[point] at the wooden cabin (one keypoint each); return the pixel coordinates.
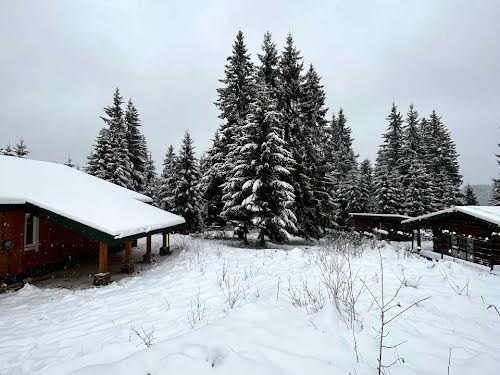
(384, 226)
(52, 214)
(470, 233)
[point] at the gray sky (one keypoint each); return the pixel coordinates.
(61, 60)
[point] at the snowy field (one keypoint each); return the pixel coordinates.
(214, 308)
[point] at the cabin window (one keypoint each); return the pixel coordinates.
(31, 232)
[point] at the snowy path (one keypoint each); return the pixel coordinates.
(88, 331)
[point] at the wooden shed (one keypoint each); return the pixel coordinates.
(51, 214)
(471, 233)
(385, 226)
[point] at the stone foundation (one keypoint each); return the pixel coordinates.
(164, 251)
(127, 268)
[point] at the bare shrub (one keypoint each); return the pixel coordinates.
(146, 336)
(459, 289)
(408, 282)
(311, 298)
(222, 274)
(197, 310)
(385, 305)
(235, 292)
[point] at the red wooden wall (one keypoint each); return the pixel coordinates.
(56, 245)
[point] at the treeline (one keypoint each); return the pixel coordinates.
(277, 163)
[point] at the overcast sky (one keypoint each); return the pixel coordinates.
(61, 60)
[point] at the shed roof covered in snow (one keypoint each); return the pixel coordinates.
(59, 191)
(490, 214)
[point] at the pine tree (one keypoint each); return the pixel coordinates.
(186, 195)
(411, 144)
(122, 168)
(495, 195)
(234, 99)
(151, 181)
(212, 181)
(366, 188)
(342, 162)
(99, 161)
(470, 198)
(312, 146)
(268, 69)
(348, 196)
(419, 190)
(389, 191)
(69, 162)
(20, 149)
(266, 196)
(137, 150)
(442, 158)
(8, 151)
(393, 140)
(168, 181)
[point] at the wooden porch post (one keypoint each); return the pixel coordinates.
(419, 240)
(147, 257)
(168, 242)
(128, 263)
(103, 257)
(103, 277)
(164, 249)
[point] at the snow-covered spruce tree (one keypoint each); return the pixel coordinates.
(495, 194)
(20, 149)
(442, 158)
(296, 134)
(366, 189)
(212, 180)
(393, 140)
(268, 68)
(348, 196)
(419, 190)
(314, 146)
(8, 151)
(389, 191)
(234, 98)
(151, 181)
(186, 195)
(99, 161)
(411, 144)
(168, 181)
(122, 168)
(341, 161)
(137, 149)
(69, 162)
(266, 196)
(470, 198)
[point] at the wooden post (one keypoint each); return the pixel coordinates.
(412, 238)
(168, 242)
(128, 252)
(128, 263)
(163, 248)
(103, 257)
(103, 277)
(147, 257)
(419, 240)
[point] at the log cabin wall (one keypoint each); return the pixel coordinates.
(389, 224)
(467, 238)
(56, 244)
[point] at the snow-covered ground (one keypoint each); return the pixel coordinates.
(186, 305)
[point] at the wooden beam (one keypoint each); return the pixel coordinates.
(148, 245)
(128, 252)
(168, 241)
(103, 257)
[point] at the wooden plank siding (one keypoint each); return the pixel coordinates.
(56, 244)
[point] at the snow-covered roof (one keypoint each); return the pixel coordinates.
(490, 214)
(371, 214)
(78, 196)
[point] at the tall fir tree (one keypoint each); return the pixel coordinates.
(234, 98)
(212, 181)
(151, 186)
(495, 194)
(137, 149)
(266, 196)
(312, 146)
(411, 144)
(470, 198)
(366, 188)
(168, 181)
(389, 191)
(8, 151)
(442, 159)
(187, 198)
(268, 68)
